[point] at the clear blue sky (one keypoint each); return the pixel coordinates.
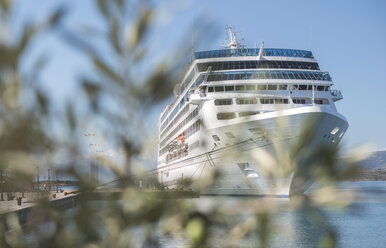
(348, 39)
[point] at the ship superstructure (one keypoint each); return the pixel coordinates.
(231, 102)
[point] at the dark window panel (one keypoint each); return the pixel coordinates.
(219, 88)
(282, 87)
(240, 87)
(226, 116)
(250, 87)
(272, 87)
(223, 102)
(229, 88)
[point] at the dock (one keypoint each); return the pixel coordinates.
(23, 206)
(116, 194)
(68, 199)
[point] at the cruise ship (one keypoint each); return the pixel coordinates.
(236, 110)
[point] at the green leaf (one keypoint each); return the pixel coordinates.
(107, 71)
(5, 5)
(28, 33)
(103, 8)
(140, 28)
(56, 17)
(71, 120)
(114, 35)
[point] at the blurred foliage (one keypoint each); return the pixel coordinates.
(138, 219)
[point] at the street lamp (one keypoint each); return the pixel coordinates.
(99, 167)
(89, 135)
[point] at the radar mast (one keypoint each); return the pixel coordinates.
(231, 39)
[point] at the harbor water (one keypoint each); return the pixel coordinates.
(363, 224)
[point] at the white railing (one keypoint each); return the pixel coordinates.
(205, 81)
(336, 92)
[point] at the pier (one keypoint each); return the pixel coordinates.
(24, 206)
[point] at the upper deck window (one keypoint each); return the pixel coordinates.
(229, 88)
(266, 101)
(299, 101)
(302, 87)
(320, 88)
(272, 74)
(250, 87)
(240, 87)
(282, 87)
(219, 88)
(164, 115)
(253, 52)
(226, 116)
(281, 101)
(272, 87)
(249, 113)
(321, 101)
(246, 101)
(223, 102)
(187, 81)
(274, 100)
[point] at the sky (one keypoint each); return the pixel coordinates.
(346, 37)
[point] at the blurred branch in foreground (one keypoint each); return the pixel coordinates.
(118, 96)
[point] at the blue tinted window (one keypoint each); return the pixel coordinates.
(284, 74)
(252, 52)
(280, 75)
(312, 75)
(297, 76)
(291, 75)
(309, 75)
(275, 74)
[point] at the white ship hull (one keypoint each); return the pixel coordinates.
(239, 112)
(253, 162)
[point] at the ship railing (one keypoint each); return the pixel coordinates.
(336, 92)
(176, 154)
(205, 81)
(336, 95)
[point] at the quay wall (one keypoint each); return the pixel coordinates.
(24, 212)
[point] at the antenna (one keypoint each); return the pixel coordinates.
(192, 35)
(311, 37)
(231, 39)
(261, 51)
